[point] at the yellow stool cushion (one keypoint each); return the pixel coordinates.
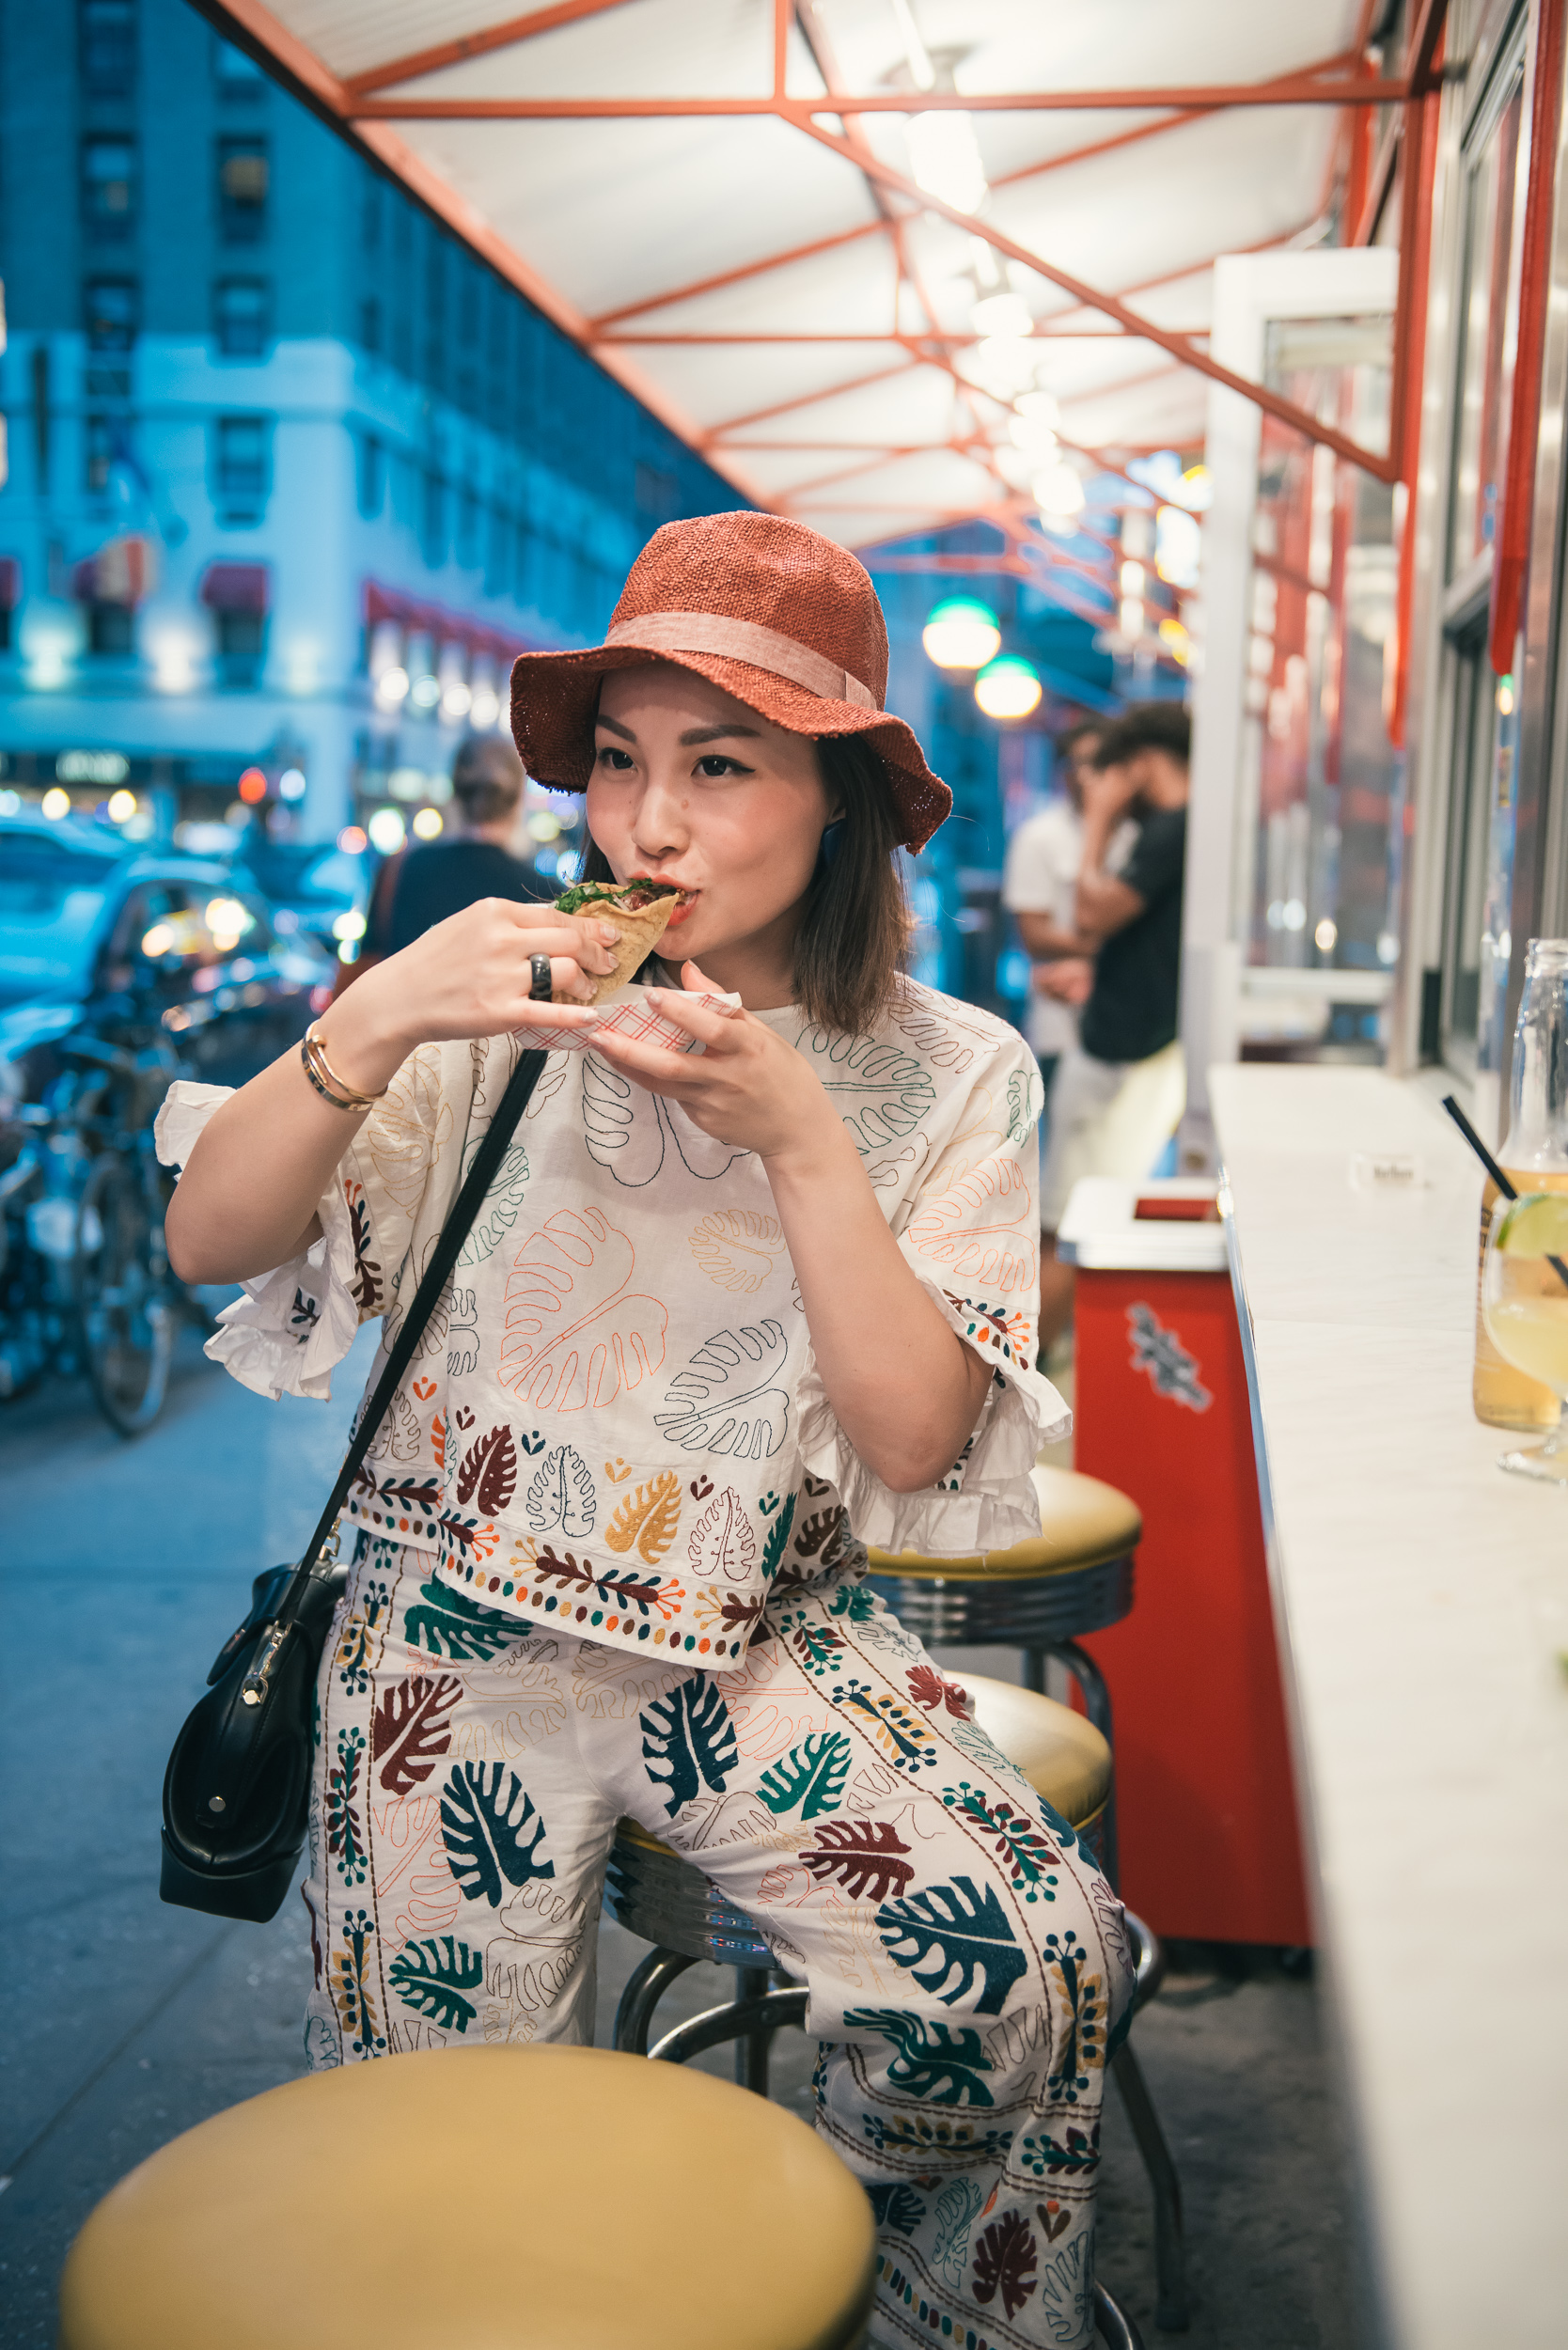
(480, 2199)
(1083, 1523)
(1064, 1757)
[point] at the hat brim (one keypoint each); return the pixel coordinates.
(555, 696)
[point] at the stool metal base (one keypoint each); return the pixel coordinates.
(1172, 2304)
(1112, 2323)
(1014, 1611)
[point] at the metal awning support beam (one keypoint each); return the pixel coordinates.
(1205, 98)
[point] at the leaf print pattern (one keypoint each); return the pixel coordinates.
(1024, 1094)
(736, 1248)
(1046, 2157)
(930, 1689)
(880, 1092)
(688, 1733)
(648, 1517)
(562, 1497)
(350, 1984)
(449, 1624)
(626, 1131)
(486, 1830)
(722, 1542)
(817, 1646)
(365, 1284)
(977, 1218)
(628, 1590)
(359, 1638)
(346, 1840)
(433, 1976)
(958, 2207)
(576, 1336)
(1081, 2048)
(1066, 2286)
(862, 1856)
(817, 1531)
(503, 1204)
(903, 1736)
(897, 2206)
(952, 1939)
(777, 1538)
(411, 1729)
(931, 2061)
(489, 1472)
(810, 1778)
(1026, 1854)
(1005, 2262)
(728, 1398)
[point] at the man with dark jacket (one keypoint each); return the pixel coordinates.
(1118, 1098)
(474, 858)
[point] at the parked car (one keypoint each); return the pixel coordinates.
(189, 944)
(314, 888)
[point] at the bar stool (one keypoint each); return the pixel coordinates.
(1075, 1576)
(669, 1903)
(529, 2199)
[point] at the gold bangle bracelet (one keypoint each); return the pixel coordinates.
(328, 1084)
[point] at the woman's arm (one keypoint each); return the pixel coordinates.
(246, 1200)
(905, 1389)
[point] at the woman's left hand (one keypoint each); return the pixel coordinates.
(747, 1088)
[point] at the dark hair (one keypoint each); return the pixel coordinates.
(1067, 743)
(487, 779)
(1148, 727)
(854, 932)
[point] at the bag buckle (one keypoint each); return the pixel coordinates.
(330, 1547)
(253, 1689)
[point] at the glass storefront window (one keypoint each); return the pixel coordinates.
(1320, 803)
(1494, 223)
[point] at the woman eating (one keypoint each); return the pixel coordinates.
(727, 1315)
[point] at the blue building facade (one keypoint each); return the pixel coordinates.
(292, 475)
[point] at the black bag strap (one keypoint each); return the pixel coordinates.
(465, 1207)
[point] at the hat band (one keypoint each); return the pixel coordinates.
(743, 640)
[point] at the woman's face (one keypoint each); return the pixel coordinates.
(691, 787)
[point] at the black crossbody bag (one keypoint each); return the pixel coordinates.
(237, 1790)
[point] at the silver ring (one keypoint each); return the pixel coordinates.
(542, 987)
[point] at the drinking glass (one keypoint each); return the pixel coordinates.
(1524, 1298)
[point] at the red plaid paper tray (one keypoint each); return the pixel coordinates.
(629, 1012)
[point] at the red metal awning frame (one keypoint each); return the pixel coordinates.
(356, 105)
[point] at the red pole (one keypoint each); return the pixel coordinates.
(1508, 590)
(1404, 422)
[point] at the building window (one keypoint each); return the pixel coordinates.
(240, 467)
(241, 308)
(243, 190)
(112, 308)
(236, 75)
(98, 450)
(111, 628)
(241, 639)
(109, 188)
(106, 33)
(369, 467)
(370, 324)
(432, 522)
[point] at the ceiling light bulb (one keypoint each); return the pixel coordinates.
(1002, 314)
(945, 160)
(962, 634)
(1010, 688)
(1059, 493)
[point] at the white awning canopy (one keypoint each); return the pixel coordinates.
(796, 292)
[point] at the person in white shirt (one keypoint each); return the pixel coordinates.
(1039, 889)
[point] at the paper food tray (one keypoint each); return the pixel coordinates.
(629, 1012)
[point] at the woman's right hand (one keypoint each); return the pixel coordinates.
(467, 976)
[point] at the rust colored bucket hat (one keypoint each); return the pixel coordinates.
(770, 611)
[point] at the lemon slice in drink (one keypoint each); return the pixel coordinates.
(1534, 1225)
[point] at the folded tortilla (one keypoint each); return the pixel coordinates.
(640, 928)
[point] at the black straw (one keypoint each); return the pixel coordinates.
(1490, 1164)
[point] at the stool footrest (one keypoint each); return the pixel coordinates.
(736, 2020)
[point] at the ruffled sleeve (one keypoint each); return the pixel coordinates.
(285, 1333)
(971, 1237)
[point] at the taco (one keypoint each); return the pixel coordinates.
(638, 909)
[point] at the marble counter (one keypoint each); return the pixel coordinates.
(1421, 1601)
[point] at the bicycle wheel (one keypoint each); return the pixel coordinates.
(126, 1320)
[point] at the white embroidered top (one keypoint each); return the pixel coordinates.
(615, 1421)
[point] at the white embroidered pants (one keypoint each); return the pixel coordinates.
(967, 1962)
